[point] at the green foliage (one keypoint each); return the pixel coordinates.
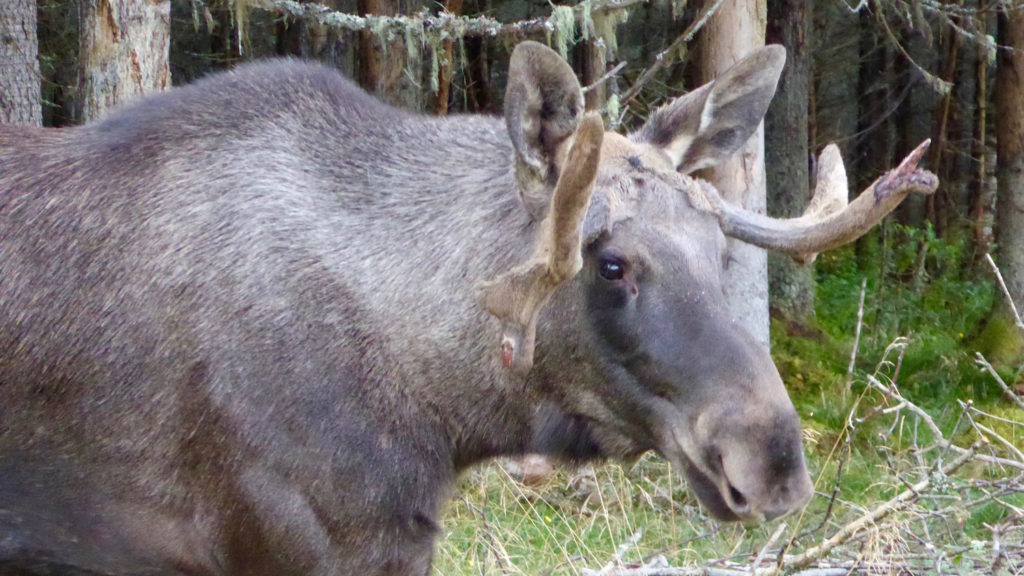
(922, 288)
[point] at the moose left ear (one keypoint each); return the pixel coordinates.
(517, 296)
(709, 124)
(543, 109)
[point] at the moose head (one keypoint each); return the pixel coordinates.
(629, 259)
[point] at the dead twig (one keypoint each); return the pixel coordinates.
(904, 498)
(1006, 291)
(607, 76)
(983, 363)
(856, 337)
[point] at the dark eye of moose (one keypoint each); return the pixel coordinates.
(611, 269)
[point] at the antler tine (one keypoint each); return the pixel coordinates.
(517, 296)
(829, 221)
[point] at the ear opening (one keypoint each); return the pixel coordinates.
(707, 125)
(543, 109)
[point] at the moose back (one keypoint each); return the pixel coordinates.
(258, 324)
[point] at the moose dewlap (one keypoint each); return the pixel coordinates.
(257, 325)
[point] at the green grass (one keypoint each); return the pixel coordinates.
(579, 518)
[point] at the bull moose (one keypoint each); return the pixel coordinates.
(257, 325)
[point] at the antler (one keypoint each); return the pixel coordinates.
(517, 296)
(828, 221)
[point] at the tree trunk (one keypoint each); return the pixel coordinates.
(791, 285)
(439, 101)
(1010, 152)
(20, 101)
(124, 49)
(734, 31)
(983, 191)
(595, 62)
(916, 114)
(876, 134)
(945, 132)
(383, 61)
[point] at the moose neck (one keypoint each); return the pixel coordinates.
(461, 224)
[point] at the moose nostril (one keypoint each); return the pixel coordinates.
(739, 501)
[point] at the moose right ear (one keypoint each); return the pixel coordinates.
(709, 124)
(543, 110)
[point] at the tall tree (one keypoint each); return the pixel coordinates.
(737, 29)
(384, 60)
(124, 49)
(791, 285)
(20, 100)
(1010, 150)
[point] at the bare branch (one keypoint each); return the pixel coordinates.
(1006, 291)
(873, 517)
(981, 361)
(607, 76)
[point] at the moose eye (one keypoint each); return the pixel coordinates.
(611, 269)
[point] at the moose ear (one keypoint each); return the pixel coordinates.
(707, 125)
(543, 109)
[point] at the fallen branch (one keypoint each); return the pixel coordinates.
(901, 500)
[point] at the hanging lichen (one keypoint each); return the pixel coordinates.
(606, 27)
(379, 29)
(435, 71)
(564, 20)
(678, 7)
(586, 22)
(412, 44)
(435, 43)
(614, 110)
(240, 10)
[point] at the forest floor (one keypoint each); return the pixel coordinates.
(917, 453)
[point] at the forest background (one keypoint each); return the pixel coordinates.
(904, 353)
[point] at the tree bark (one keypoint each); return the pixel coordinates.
(20, 99)
(595, 62)
(124, 50)
(945, 132)
(439, 101)
(383, 61)
(737, 29)
(983, 191)
(791, 285)
(1010, 152)
(876, 133)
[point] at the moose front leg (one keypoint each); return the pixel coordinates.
(280, 529)
(274, 529)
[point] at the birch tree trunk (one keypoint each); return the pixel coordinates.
(737, 29)
(124, 49)
(20, 101)
(1010, 152)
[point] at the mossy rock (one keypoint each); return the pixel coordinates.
(1001, 341)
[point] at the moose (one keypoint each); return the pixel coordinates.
(259, 324)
